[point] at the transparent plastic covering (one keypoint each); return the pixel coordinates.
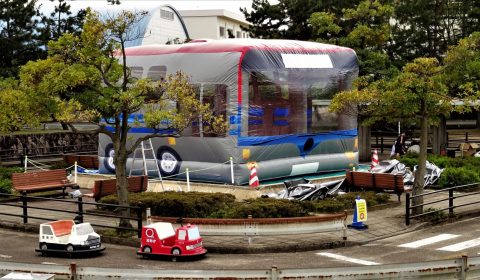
(274, 95)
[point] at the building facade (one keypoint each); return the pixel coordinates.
(214, 24)
(162, 25)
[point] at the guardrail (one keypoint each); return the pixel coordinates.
(451, 199)
(457, 268)
(21, 201)
(252, 227)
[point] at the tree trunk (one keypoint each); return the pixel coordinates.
(422, 162)
(64, 126)
(120, 160)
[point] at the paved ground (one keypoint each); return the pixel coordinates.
(381, 223)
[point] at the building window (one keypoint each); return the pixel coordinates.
(166, 14)
(244, 35)
(230, 33)
(239, 34)
(222, 32)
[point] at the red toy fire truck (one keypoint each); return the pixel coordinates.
(161, 239)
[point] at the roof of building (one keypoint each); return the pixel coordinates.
(111, 10)
(215, 13)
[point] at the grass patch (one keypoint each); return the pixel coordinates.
(434, 216)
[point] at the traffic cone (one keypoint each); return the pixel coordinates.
(253, 182)
(374, 159)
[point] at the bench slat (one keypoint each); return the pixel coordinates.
(41, 180)
(376, 181)
(103, 188)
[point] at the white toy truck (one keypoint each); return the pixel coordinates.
(68, 237)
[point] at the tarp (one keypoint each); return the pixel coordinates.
(274, 95)
(303, 189)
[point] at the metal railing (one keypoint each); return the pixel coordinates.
(22, 201)
(450, 199)
(457, 268)
(455, 139)
(38, 152)
(383, 140)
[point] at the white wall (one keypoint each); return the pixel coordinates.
(206, 23)
(202, 27)
(161, 30)
(229, 24)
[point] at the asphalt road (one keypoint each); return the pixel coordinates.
(439, 242)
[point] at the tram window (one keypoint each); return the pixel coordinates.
(136, 72)
(216, 96)
(157, 73)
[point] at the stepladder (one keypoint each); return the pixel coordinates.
(145, 160)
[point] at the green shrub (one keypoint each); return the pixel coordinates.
(456, 176)
(434, 216)
(177, 204)
(6, 172)
(409, 161)
(441, 161)
(5, 185)
(263, 208)
(328, 206)
(219, 205)
(371, 198)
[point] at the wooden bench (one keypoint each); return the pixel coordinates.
(85, 161)
(42, 181)
(376, 181)
(103, 188)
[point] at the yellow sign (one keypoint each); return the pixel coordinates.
(361, 210)
(172, 141)
(246, 153)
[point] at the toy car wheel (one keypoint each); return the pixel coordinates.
(108, 161)
(147, 250)
(70, 248)
(175, 253)
(169, 161)
(43, 246)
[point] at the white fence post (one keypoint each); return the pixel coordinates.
(188, 179)
(25, 164)
(75, 172)
(231, 170)
(149, 216)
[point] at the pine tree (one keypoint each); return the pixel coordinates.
(18, 39)
(61, 21)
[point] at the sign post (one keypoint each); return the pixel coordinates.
(359, 214)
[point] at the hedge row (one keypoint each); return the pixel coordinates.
(411, 160)
(220, 205)
(177, 204)
(458, 171)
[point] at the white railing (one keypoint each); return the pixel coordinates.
(252, 227)
(458, 268)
